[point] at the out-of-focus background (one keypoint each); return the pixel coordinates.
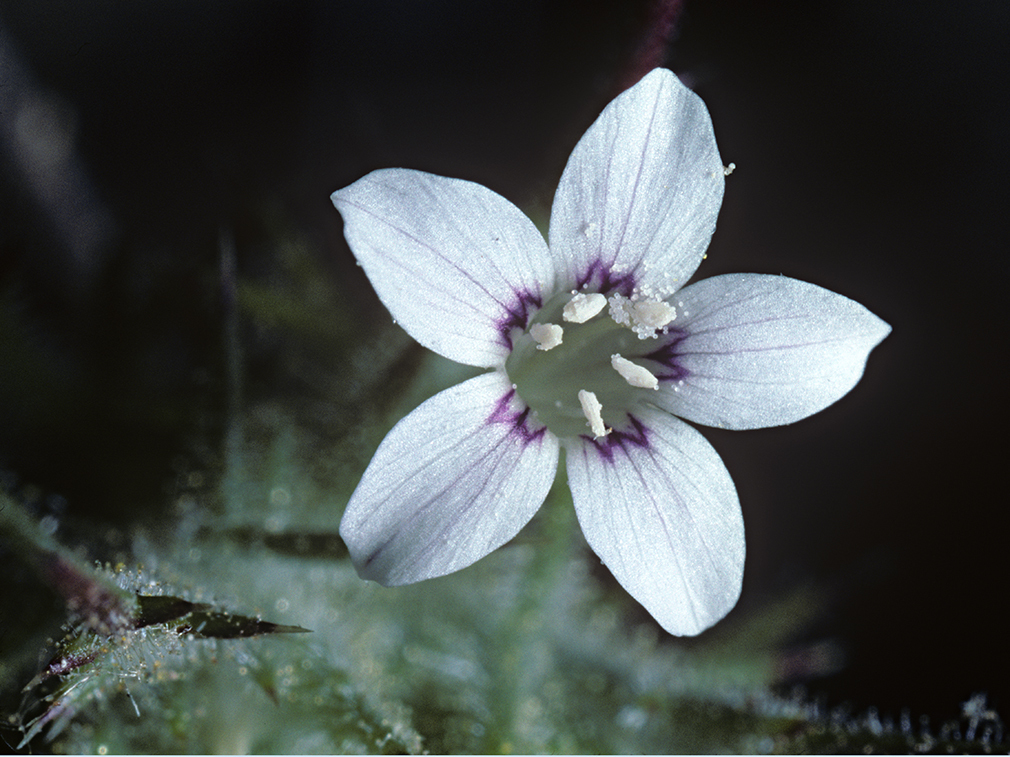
(170, 262)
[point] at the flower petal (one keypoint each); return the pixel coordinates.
(642, 190)
(659, 508)
(453, 481)
(456, 264)
(763, 350)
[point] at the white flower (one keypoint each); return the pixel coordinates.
(593, 347)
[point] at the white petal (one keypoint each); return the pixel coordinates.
(642, 190)
(659, 508)
(454, 262)
(766, 350)
(453, 481)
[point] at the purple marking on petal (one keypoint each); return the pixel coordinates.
(600, 277)
(518, 315)
(636, 437)
(517, 419)
(667, 356)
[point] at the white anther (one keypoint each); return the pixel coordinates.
(644, 317)
(729, 169)
(591, 408)
(635, 375)
(546, 335)
(654, 314)
(582, 307)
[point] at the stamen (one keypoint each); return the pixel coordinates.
(591, 408)
(635, 375)
(644, 317)
(582, 307)
(652, 313)
(546, 335)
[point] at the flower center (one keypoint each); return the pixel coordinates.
(580, 363)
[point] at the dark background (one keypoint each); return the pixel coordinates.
(871, 146)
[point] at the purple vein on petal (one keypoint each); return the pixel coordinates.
(600, 277)
(518, 314)
(518, 420)
(667, 355)
(635, 436)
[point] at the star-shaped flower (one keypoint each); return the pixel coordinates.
(594, 347)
